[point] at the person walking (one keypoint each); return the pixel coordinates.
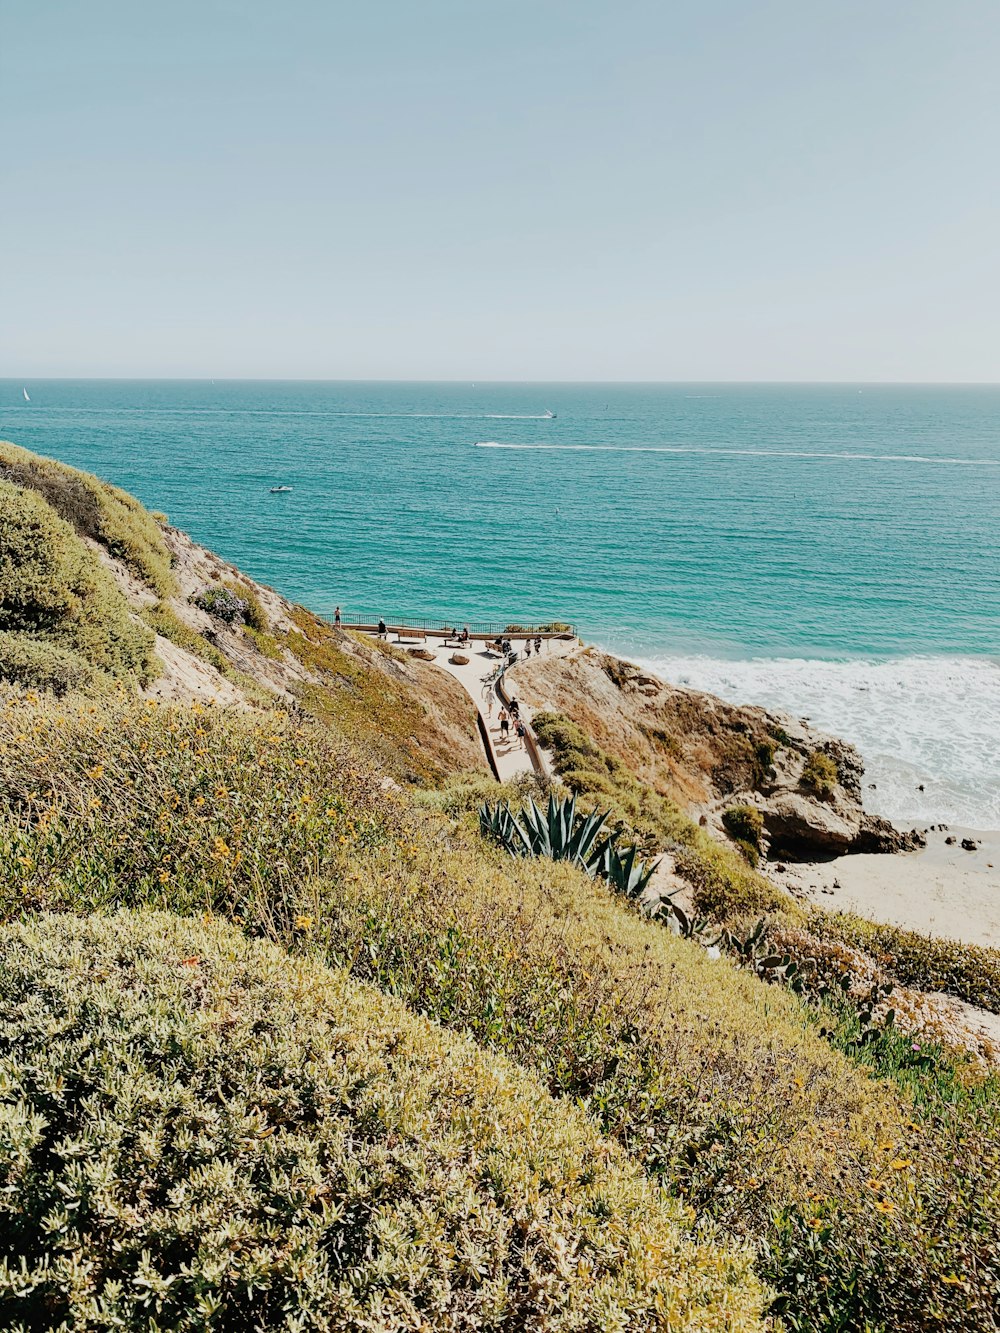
(538, 644)
(336, 616)
(504, 725)
(520, 733)
(382, 631)
(515, 709)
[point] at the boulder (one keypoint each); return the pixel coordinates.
(805, 830)
(878, 835)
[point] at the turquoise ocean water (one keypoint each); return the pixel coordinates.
(834, 550)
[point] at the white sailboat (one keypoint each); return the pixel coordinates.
(25, 392)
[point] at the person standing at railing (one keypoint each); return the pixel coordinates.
(336, 616)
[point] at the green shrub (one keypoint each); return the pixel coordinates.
(54, 589)
(255, 616)
(163, 620)
(745, 823)
(969, 971)
(43, 666)
(199, 1132)
(820, 773)
(97, 510)
(223, 603)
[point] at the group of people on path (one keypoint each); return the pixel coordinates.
(511, 716)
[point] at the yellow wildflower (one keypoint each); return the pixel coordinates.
(303, 921)
(900, 1164)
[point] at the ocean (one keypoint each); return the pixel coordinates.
(833, 550)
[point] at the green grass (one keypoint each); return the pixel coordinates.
(95, 509)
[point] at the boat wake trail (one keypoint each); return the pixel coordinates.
(723, 452)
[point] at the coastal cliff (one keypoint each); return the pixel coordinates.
(709, 756)
(392, 1075)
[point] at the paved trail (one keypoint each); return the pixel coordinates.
(512, 757)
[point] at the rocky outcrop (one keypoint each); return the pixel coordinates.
(709, 755)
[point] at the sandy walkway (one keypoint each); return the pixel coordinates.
(942, 890)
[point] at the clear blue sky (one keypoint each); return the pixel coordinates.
(538, 189)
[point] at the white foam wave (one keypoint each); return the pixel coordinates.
(841, 456)
(918, 721)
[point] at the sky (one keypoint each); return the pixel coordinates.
(539, 189)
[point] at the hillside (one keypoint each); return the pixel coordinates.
(285, 1042)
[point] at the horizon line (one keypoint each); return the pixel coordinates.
(465, 380)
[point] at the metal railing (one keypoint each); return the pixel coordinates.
(511, 629)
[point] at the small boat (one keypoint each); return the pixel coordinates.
(25, 392)
(549, 416)
(279, 490)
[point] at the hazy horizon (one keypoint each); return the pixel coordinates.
(571, 192)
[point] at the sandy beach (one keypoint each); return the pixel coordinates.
(943, 890)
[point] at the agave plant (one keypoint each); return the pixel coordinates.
(624, 871)
(562, 834)
(498, 823)
(557, 832)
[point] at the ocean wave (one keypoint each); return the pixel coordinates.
(723, 451)
(931, 722)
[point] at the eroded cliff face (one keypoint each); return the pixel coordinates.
(709, 756)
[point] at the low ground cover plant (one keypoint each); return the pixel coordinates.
(968, 971)
(199, 1132)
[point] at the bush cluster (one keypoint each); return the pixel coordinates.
(54, 590)
(40, 665)
(719, 1088)
(745, 824)
(223, 603)
(95, 509)
(819, 773)
(970, 972)
(198, 1132)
